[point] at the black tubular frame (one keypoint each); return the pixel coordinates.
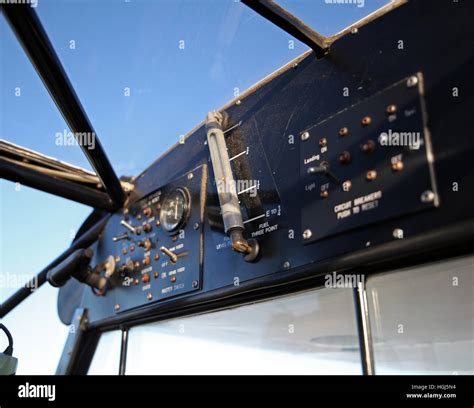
(34, 40)
(289, 23)
(320, 44)
(49, 184)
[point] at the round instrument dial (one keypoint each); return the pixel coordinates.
(175, 210)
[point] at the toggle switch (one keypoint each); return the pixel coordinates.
(128, 226)
(145, 243)
(120, 237)
(173, 257)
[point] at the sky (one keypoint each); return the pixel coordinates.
(146, 72)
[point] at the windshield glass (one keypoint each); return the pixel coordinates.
(329, 17)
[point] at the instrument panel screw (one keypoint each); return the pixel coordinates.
(343, 131)
(149, 296)
(412, 81)
(117, 307)
(307, 234)
(397, 166)
(195, 284)
(427, 196)
(238, 102)
(344, 157)
(366, 121)
(286, 265)
(190, 176)
(304, 136)
(397, 233)
(196, 226)
(354, 30)
(391, 109)
(371, 175)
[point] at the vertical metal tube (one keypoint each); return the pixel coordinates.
(226, 187)
(123, 352)
(363, 328)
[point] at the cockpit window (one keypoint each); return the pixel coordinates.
(330, 17)
(28, 115)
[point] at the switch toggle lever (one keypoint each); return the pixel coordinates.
(120, 237)
(173, 257)
(132, 229)
(323, 168)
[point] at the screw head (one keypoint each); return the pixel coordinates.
(117, 307)
(354, 30)
(368, 147)
(412, 81)
(195, 284)
(196, 226)
(427, 196)
(366, 121)
(391, 109)
(305, 136)
(344, 157)
(397, 166)
(286, 265)
(307, 234)
(371, 175)
(397, 233)
(238, 102)
(343, 131)
(190, 176)
(149, 296)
